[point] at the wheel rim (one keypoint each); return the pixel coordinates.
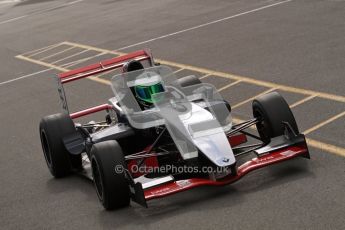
(46, 148)
(97, 179)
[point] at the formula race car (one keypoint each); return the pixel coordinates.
(162, 134)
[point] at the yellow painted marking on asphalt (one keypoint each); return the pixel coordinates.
(324, 123)
(60, 52)
(229, 85)
(311, 142)
(70, 56)
(41, 50)
(205, 76)
(326, 147)
(258, 82)
(227, 75)
(252, 98)
(72, 63)
(303, 100)
(90, 47)
(103, 81)
(42, 63)
(179, 70)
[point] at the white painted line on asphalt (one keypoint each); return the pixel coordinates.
(205, 24)
(25, 76)
(9, 1)
(39, 12)
(74, 2)
(14, 19)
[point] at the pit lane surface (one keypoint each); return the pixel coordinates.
(297, 44)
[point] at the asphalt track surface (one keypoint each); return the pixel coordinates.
(296, 47)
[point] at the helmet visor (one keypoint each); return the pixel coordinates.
(145, 92)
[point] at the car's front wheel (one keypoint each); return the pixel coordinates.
(272, 110)
(108, 170)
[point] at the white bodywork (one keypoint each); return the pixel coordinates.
(193, 128)
(213, 141)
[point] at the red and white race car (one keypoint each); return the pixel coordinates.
(162, 135)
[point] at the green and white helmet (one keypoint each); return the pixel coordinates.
(147, 84)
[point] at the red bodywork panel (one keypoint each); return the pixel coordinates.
(255, 163)
(133, 165)
(237, 139)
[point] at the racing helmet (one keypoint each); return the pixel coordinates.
(146, 85)
(132, 65)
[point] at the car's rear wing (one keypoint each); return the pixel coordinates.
(94, 69)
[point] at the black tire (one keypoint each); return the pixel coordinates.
(272, 109)
(112, 187)
(188, 81)
(53, 129)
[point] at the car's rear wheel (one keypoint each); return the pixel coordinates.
(272, 110)
(53, 129)
(108, 164)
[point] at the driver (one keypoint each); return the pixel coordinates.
(146, 84)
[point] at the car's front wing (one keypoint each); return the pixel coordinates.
(141, 195)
